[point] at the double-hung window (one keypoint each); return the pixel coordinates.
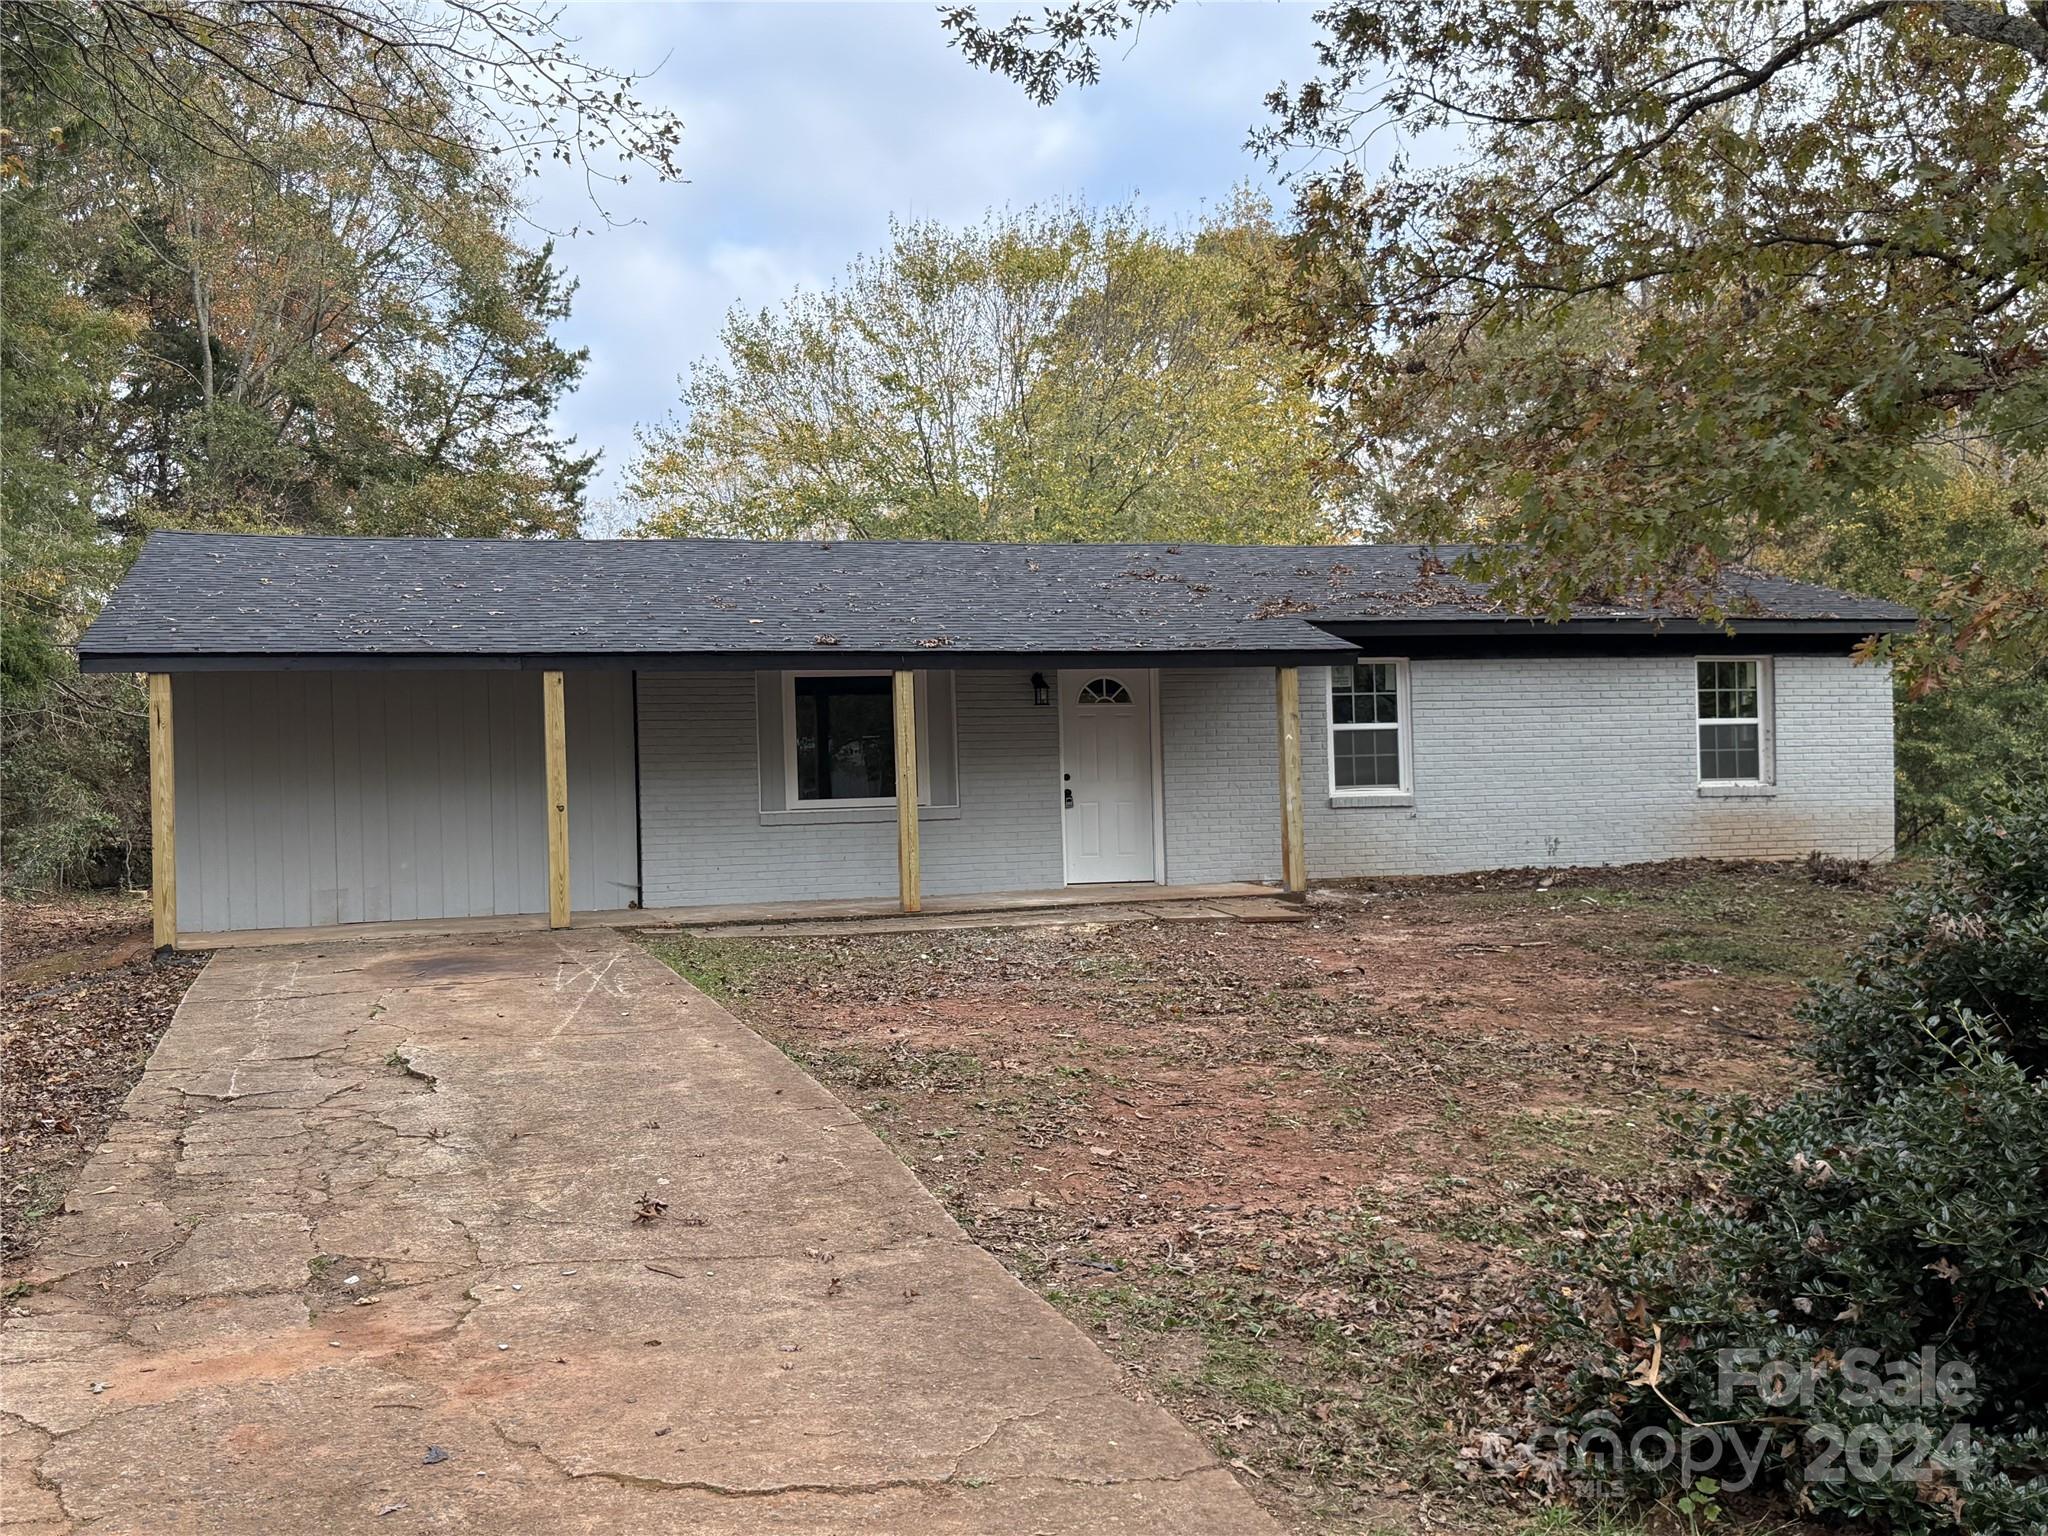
(1369, 728)
(1734, 721)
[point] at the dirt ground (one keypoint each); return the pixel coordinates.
(82, 1004)
(1301, 1179)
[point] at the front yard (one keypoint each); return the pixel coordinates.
(1302, 1179)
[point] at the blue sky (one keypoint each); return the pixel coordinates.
(808, 125)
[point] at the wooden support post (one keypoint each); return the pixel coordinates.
(908, 878)
(163, 815)
(1293, 856)
(555, 728)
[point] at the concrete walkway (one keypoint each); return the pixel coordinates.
(362, 1255)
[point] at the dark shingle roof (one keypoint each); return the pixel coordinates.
(225, 596)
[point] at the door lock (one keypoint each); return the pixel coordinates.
(1070, 799)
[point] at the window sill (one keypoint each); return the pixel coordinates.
(1392, 800)
(1757, 791)
(842, 815)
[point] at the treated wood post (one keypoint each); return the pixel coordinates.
(1293, 856)
(555, 729)
(903, 696)
(163, 818)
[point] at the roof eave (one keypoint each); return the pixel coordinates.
(1378, 629)
(820, 660)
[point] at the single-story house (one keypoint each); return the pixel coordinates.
(349, 730)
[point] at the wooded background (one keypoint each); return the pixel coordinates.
(1639, 292)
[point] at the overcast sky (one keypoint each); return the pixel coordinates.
(808, 125)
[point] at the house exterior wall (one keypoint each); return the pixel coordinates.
(322, 797)
(306, 798)
(1539, 761)
(328, 797)
(707, 839)
(1515, 762)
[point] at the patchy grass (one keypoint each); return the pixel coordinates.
(1301, 1181)
(721, 968)
(1752, 921)
(38, 1196)
(1290, 1354)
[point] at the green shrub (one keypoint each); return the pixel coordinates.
(1896, 1211)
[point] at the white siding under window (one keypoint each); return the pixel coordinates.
(710, 788)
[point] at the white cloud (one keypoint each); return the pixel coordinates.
(807, 126)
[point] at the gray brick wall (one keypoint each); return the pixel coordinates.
(1528, 762)
(701, 834)
(1515, 763)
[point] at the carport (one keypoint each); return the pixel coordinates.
(299, 798)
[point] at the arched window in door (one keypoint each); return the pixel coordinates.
(1104, 690)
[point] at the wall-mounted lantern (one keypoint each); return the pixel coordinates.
(1041, 690)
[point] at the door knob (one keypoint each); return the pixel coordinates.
(1070, 799)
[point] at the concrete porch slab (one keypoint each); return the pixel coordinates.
(1235, 909)
(1057, 898)
(523, 1233)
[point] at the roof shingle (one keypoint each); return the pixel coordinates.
(238, 595)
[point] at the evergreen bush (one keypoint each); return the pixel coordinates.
(1858, 1298)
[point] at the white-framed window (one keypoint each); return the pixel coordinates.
(839, 740)
(1369, 728)
(1734, 701)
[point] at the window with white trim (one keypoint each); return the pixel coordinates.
(828, 745)
(1369, 728)
(1734, 720)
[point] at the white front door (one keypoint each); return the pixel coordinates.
(1106, 729)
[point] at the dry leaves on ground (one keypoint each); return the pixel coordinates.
(1301, 1179)
(82, 1003)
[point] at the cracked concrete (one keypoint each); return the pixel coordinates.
(380, 1197)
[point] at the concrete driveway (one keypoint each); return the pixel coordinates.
(367, 1251)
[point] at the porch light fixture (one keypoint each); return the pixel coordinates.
(1041, 690)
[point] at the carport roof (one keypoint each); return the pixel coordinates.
(252, 601)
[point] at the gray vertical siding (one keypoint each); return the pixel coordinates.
(604, 838)
(306, 798)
